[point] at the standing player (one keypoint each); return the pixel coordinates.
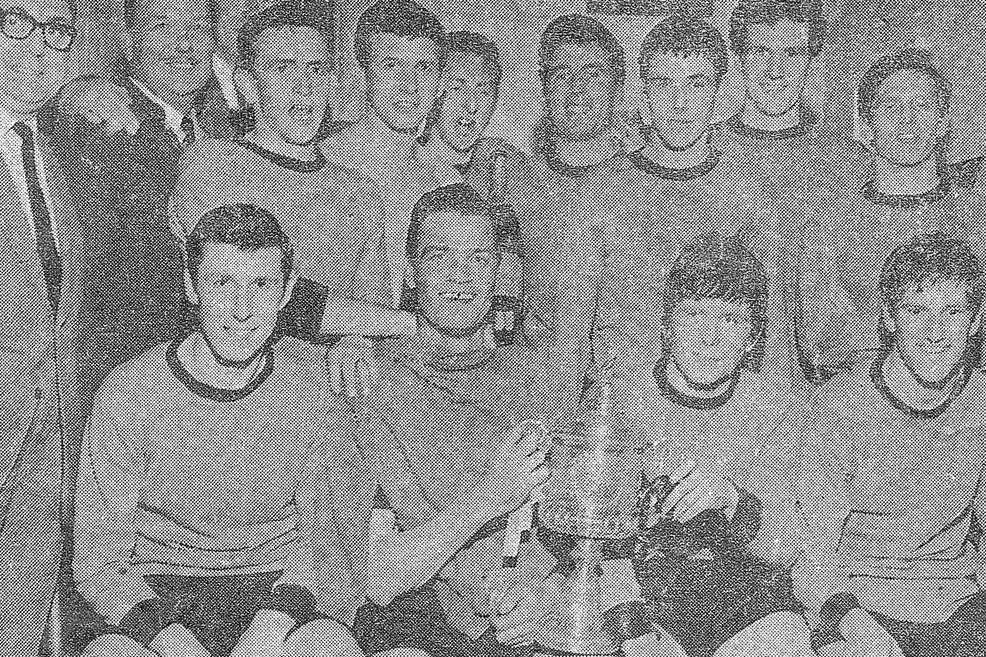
(679, 185)
(892, 476)
(332, 213)
(904, 109)
(582, 67)
(402, 49)
(121, 141)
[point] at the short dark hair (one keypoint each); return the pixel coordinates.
(717, 267)
(584, 31)
(130, 8)
(404, 18)
(685, 36)
(315, 14)
(926, 260)
(479, 45)
(756, 12)
(246, 227)
(912, 59)
(460, 198)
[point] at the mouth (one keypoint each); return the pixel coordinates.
(302, 113)
(466, 125)
(460, 297)
(406, 106)
(773, 87)
(182, 63)
(909, 139)
(240, 334)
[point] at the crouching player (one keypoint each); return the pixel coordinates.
(892, 480)
(222, 505)
(719, 448)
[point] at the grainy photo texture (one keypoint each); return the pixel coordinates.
(492, 328)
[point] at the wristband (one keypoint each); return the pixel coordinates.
(626, 621)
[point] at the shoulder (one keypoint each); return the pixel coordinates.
(135, 384)
(207, 152)
(848, 396)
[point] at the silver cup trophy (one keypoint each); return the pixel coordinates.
(591, 497)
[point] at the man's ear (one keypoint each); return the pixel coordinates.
(129, 45)
(977, 322)
(246, 84)
(193, 295)
(289, 289)
(889, 323)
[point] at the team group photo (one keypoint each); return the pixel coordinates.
(493, 328)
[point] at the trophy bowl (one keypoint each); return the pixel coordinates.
(591, 495)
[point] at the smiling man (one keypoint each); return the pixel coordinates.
(904, 110)
(436, 423)
(652, 202)
(402, 49)
(719, 432)
(891, 485)
(333, 214)
(121, 140)
(226, 512)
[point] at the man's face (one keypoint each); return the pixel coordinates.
(775, 66)
(708, 339)
(470, 98)
(403, 77)
(239, 294)
(580, 91)
(932, 328)
(681, 92)
(455, 272)
(907, 118)
(31, 73)
(293, 79)
(173, 43)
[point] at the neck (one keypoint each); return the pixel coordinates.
(202, 365)
(692, 156)
(587, 153)
(677, 381)
(907, 389)
(754, 118)
(269, 140)
(443, 344)
(182, 103)
(895, 180)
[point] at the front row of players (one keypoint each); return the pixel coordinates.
(225, 503)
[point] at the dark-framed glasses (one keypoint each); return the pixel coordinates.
(16, 23)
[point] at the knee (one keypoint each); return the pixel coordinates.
(322, 637)
(115, 645)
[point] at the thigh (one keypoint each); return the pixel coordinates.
(115, 645)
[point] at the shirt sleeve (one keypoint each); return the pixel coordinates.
(371, 279)
(197, 190)
(326, 572)
(821, 481)
(111, 482)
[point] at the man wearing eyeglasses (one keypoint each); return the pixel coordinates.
(121, 141)
(39, 286)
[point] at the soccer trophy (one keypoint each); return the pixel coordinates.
(590, 500)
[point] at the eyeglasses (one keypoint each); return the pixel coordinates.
(18, 24)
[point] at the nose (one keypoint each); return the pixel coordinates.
(710, 333)
(679, 100)
(408, 81)
(243, 309)
(775, 67)
(472, 104)
(183, 43)
(303, 87)
(36, 42)
(461, 271)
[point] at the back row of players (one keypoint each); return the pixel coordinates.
(710, 275)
